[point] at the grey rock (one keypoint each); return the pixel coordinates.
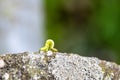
(55, 66)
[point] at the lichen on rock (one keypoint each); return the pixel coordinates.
(24, 66)
(75, 67)
(55, 66)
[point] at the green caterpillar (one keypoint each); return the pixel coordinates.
(49, 45)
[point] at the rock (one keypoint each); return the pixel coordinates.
(56, 66)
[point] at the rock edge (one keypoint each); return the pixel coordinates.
(55, 66)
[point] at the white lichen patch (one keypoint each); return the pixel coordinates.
(42, 52)
(2, 63)
(49, 53)
(36, 77)
(5, 76)
(75, 67)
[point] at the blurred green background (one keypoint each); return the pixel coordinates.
(86, 27)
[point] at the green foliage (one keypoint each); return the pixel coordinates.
(108, 17)
(90, 28)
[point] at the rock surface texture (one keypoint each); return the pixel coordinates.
(55, 66)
